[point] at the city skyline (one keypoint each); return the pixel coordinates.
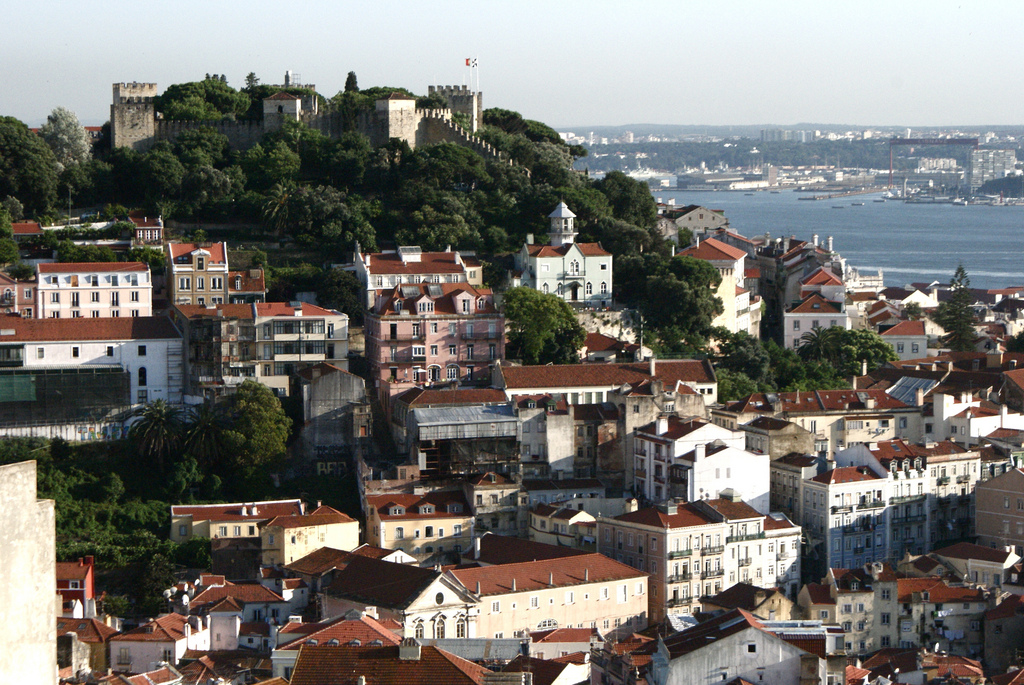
(569, 64)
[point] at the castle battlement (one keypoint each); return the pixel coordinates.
(134, 92)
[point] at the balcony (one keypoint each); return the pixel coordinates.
(842, 509)
(965, 478)
(481, 335)
(942, 480)
(679, 602)
(964, 499)
(907, 498)
(872, 504)
(907, 520)
(717, 549)
(640, 474)
(680, 553)
(746, 561)
(712, 573)
(420, 358)
(406, 336)
(744, 538)
(680, 578)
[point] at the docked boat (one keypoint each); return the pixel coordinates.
(857, 204)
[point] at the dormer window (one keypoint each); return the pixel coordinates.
(917, 463)
(855, 586)
(454, 508)
(398, 306)
(480, 303)
(531, 405)
(893, 466)
(397, 511)
(200, 263)
(426, 509)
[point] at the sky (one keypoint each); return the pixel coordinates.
(566, 63)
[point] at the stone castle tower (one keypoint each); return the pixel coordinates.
(462, 100)
(133, 116)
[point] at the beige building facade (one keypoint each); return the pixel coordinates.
(285, 539)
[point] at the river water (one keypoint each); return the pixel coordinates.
(909, 242)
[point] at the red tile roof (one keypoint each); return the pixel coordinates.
(587, 249)
(687, 515)
(564, 635)
(241, 593)
(589, 375)
(821, 277)
(722, 626)
(283, 96)
(500, 549)
(967, 550)
(1011, 606)
(1011, 678)
(846, 474)
(142, 220)
(323, 516)
(364, 629)
(18, 329)
(248, 282)
(168, 628)
(88, 629)
(429, 263)
(676, 428)
(412, 504)
(543, 671)
(816, 303)
(73, 570)
(420, 397)
(254, 511)
(343, 665)
(906, 328)
(285, 309)
(538, 575)
(712, 250)
(819, 594)
(217, 251)
(937, 590)
(26, 228)
(381, 583)
(91, 267)
(229, 311)
(446, 303)
(817, 401)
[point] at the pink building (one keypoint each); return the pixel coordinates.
(97, 289)
(428, 334)
(17, 297)
(149, 230)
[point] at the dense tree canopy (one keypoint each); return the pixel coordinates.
(542, 328)
(67, 138)
(28, 169)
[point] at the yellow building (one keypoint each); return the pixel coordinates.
(284, 539)
(235, 520)
(437, 523)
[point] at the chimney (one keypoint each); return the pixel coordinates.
(586, 575)
(696, 239)
(513, 585)
(409, 649)
(661, 425)
(863, 367)
(869, 402)
(476, 548)
(478, 588)
(652, 365)
(551, 579)
(919, 397)
(993, 360)
(529, 239)
(830, 243)
(815, 240)
(699, 452)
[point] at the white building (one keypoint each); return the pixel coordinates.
(293, 336)
(409, 265)
(97, 289)
(579, 273)
(148, 349)
(814, 311)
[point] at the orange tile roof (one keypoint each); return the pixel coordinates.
(818, 401)
(502, 549)
(230, 311)
(819, 594)
(248, 283)
(283, 96)
(712, 250)
(588, 250)
(365, 629)
(26, 228)
(91, 267)
(88, 629)
(420, 397)
(938, 591)
(676, 428)
(906, 328)
(538, 575)
(285, 309)
(241, 593)
(967, 550)
(217, 251)
(821, 277)
(381, 583)
(73, 570)
(816, 303)
(323, 516)
(445, 304)
(82, 329)
(582, 375)
(686, 515)
(564, 635)
(168, 628)
(440, 501)
(233, 512)
(385, 263)
(846, 474)
(326, 665)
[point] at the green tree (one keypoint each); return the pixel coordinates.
(1015, 343)
(204, 435)
(743, 353)
(275, 207)
(631, 200)
(28, 169)
(259, 427)
(820, 344)
(956, 316)
(860, 346)
(251, 80)
(8, 251)
(351, 84)
(156, 433)
(680, 304)
(67, 138)
(209, 99)
(541, 328)
(15, 209)
(342, 291)
(913, 311)
(734, 385)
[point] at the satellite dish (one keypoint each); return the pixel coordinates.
(185, 600)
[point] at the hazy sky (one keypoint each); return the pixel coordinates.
(569, 64)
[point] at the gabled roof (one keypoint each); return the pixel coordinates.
(168, 628)
(92, 267)
(845, 474)
(343, 665)
(445, 298)
(712, 250)
(283, 96)
(564, 635)
(769, 423)
(967, 550)
(439, 500)
(385, 263)
(816, 401)
(26, 228)
(381, 583)
(18, 329)
(710, 631)
(816, 303)
(938, 591)
(741, 596)
(819, 594)
(253, 511)
(88, 629)
(676, 427)
(322, 516)
(1010, 606)
(73, 570)
(539, 575)
(285, 309)
(227, 311)
(424, 397)
(500, 549)
(670, 372)
(821, 276)
(241, 593)
(906, 328)
(247, 281)
(544, 671)
(686, 515)
(328, 559)
(562, 211)
(587, 249)
(217, 251)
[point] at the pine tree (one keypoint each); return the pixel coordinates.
(351, 85)
(956, 315)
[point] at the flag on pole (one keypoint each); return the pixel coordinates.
(470, 62)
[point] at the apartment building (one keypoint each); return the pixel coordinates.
(498, 503)
(93, 290)
(673, 454)
(266, 342)
(434, 526)
(787, 476)
(17, 297)
(197, 273)
(1000, 511)
(284, 539)
(777, 438)
(563, 526)
(697, 549)
(584, 591)
(380, 272)
(741, 309)
(429, 334)
(236, 520)
(836, 418)
(814, 312)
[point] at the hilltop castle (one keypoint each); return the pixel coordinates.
(134, 121)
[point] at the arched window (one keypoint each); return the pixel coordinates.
(419, 631)
(604, 288)
(439, 629)
(590, 288)
(544, 288)
(574, 268)
(142, 376)
(460, 629)
(453, 373)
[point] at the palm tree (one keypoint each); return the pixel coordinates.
(157, 432)
(203, 434)
(275, 209)
(819, 344)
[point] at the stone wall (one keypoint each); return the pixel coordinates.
(241, 135)
(28, 579)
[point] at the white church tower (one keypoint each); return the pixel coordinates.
(563, 229)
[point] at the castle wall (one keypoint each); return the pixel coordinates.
(132, 115)
(241, 135)
(463, 101)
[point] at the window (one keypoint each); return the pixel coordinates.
(886, 619)
(142, 350)
(457, 530)
(94, 297)
(182, 530)
(460, 629)
(534, 602)
(452, 350)
(74, 351)
(143, 396)
(495, 607)
(399, 533)
(419, 631)
(184, 283)
(751, 648)
(142, 376)
(200, 263)
(796, 325)
(135, 296)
